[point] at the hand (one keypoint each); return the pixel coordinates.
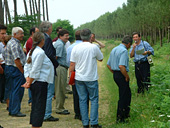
(134, 45)
(26, 85)
(127, 79)
(145, 53)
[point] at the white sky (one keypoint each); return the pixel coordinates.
(76, 11)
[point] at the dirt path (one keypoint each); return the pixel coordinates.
(65, 121)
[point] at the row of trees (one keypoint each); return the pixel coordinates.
(149, 17)
(34, 7)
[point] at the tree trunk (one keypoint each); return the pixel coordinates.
(33, 6)
(25, 5)
(160, 36)
(1, 13)
(30, 7)
(47, 10)
(168, 34)
(15, 10)
(43, 10)
(36, 6)
(7, 11)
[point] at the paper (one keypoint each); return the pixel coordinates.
(141, 51)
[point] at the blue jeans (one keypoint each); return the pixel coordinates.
(85, 88)
(16, 79)
(30, 96)
(50, 95)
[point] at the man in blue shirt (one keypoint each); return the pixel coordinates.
(142, 67)
(118, 64)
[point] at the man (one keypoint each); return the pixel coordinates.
(118, 64)
(75, 94)
(99, 44)
(83, 60)
(46, 28)
(68, 90)
(15, 60)
(61, 79)
(30, 41)
(142, 67)
(2, 63)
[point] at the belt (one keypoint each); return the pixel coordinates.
(64, 66)
(141, 62)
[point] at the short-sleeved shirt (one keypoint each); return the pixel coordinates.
(143, 45)
(119, 56)
(14, 51)
(85, 56)
(61, 54)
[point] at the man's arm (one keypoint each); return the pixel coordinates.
(124, 72)
(19, 65)
(100, 43)
(72, 67)
(109, 68)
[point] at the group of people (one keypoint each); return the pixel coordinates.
(44, 71)
(118, 64)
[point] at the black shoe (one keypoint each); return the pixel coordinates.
(96, 126)
(86, 126)
(65, 112)
(77, 117)
(3, 101)
(66, 97)
(69, 92)
(52, 119)
(1, 126)
(17, 115)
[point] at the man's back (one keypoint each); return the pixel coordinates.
(85, 55)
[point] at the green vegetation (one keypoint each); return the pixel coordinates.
(150, 110)
(149, 17)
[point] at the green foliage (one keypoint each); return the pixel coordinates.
(65, 24)
(25, 22)
(150, 110)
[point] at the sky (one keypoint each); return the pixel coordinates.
(76, 11)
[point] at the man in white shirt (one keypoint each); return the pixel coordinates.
(83, 61)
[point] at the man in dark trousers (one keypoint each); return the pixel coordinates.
(46, 28)
(142, 67)
(118, 64)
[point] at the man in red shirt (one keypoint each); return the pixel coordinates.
(30, 41)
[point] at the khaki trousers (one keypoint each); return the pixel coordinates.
(60, 87)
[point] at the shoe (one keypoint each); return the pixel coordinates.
(1, 126)
(66, 97)
(65, 112)
(69, 92)
(7, 108)
(52, 119)
(17, 115)
(3, 101)
(96, 126)
(86, 126)
(77, 117)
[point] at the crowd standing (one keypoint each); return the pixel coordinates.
(45, 72)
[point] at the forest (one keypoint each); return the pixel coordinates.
(149, 17)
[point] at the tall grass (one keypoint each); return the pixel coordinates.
(151, 110)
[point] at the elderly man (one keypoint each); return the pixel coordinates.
(118, 64)
(61, 79)
(83, 60)
(15, 60)
(46, 28)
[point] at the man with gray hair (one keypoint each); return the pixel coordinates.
(118, 64)
(83, 60)
(46, 28)
(15, 60)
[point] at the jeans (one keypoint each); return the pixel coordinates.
(50, 95)
(16, 79)
(85, 88)
(30, 96)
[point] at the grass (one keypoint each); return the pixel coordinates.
(147, 109)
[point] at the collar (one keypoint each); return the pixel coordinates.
(15, 39)
(122, 45)
(61, 41)
(46, 34)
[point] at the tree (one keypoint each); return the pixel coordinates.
(43, 10)
(65, 24)
(15, 10)
(47, 10)
(1, 13)
(25, 6)
(7, 12)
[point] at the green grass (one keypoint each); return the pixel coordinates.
(145, 109)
